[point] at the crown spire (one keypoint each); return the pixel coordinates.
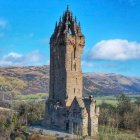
(67, 25)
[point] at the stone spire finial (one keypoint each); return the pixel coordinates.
(55, 27)
(56, 24)
(75, 19)
(63, 14)
(67, 7)
(71, 14)
(79, 24)
(60, 19)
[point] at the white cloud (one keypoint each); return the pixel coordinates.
(3, 23)
(87, 64)
(35, 56)
(13, 55)
(116, 49)
(14, 59)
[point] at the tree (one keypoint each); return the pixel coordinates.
(5, 87)
(11, 86)
(137, 102)
(124, 107)
(124, 104)
(7, 123)
(30, 112)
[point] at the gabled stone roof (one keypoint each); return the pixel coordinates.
(80, 102)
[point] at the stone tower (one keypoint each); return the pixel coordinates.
(66, 109)
(66, 45)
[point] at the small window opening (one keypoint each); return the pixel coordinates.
(70, 32)
(71, 60)
(74, 52)
(75, 66)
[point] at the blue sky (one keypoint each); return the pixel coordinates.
(111, 29)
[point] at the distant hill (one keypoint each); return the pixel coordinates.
(36, 79)
(110, 83)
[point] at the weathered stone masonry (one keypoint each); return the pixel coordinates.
(66, 109)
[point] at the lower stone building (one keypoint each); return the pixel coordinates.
(83, 117)
(80, 118)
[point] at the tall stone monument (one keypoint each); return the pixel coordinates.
(66, 109)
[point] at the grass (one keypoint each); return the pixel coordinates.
(106, 133)
(112, 102)
(99, 99)
(37, 96)
(112, 99)
(106, 99)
